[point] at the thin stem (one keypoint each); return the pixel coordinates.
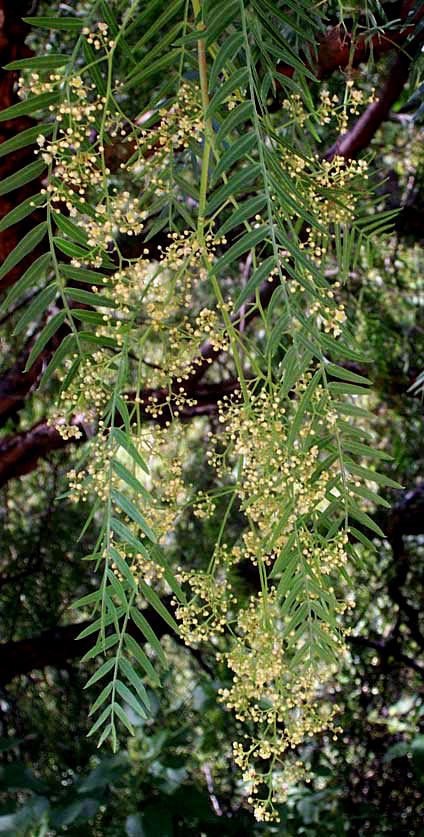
(203, 75)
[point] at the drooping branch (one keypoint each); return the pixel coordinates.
(23, 451)
(333, 52)
(55, 647)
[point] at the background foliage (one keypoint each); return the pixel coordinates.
(128, 319)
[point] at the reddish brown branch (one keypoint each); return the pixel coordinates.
(19, 454)
(15, 385)
(335, 46)
(57, 646)
(358, 137)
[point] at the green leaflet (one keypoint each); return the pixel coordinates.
(246, 210)
(346, 374)
(130, 699)
(25, 138)
(28, 279)
(135, 681)
(125, 442)
(235, 82)
(92, 317)
(348, 409)
(110, 19)
(100, 340)
(227, 52)
(362, 538)
(123, 717)
(100, 647)
(74, 232)
(123, 568)
(364, 518)
(96, 626)
(140, 656)
(161, 46)
(121, 406)
(235, 152)
(281, 326)
(353, 432)
(108, 730)
(255, 281)
(347, 389)
(281, 50)
(25, 175)
(364, 450)
(265, 7)
(37, 307)
(126, 536)
(94, 70)
(339, 348)
(90, 598)
(74, 251)
(48, 331)
(27, 207)
(303, 407)
(124, 474)
(370, 224)
(292, 367)
(361, 491)
(31, 105)
(301, 9)
(104, 668)
(119, 590)
(189, 221)
(159, 23)
(83, 274)
(39, 62)
(71, 24)
(220, 18)
(100, 720)
(186, 187)
(131, 511)
(235, 184)
(191, 38)
(158, 66)
(247, 242)
(239, 114)
(88, 298)
(373, 476)
(283, 558)
(152, 597)
(101, 698)
(148, 633)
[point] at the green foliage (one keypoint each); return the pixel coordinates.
(213, 225)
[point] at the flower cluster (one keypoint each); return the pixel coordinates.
(278, 481)
(354, 100)
(99, 36)
(206, 614)
(329, 109)
(277, 697)
(180, 123)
